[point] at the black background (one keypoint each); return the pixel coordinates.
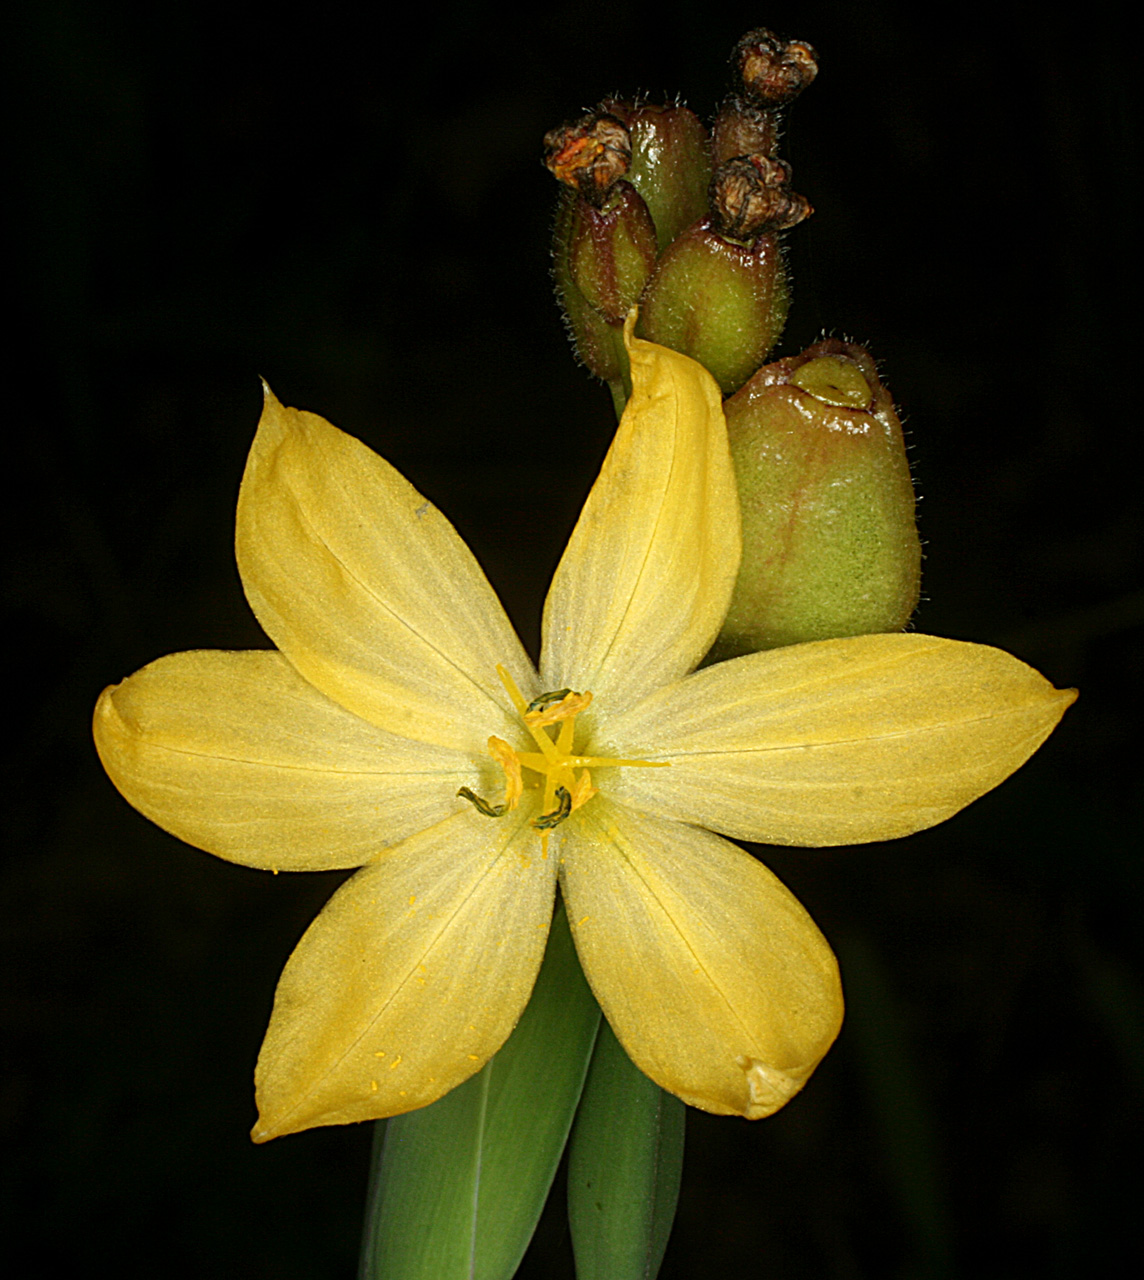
(206, 193)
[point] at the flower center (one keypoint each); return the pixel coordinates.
(566, 777)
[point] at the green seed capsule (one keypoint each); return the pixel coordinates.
(830, 547)
(721, 302)
(670, 163)
(719, 293)
(598, 343)
(611, 251)
(604, 241)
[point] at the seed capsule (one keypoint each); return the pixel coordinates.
(670, 163)
(603, 256)
(830, 547)
(722, 302)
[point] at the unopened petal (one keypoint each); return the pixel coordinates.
(647, 576)
(235, 753)
(714, 978)
(367, 589)
(837, 742)
(411, 978)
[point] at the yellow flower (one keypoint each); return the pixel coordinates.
(401, 728)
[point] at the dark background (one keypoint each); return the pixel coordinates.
(206, 193)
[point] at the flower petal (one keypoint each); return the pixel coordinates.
(648, 573)
(237, 754)
(368, 590)
(411, 978)
(836, 742)
(714, 978)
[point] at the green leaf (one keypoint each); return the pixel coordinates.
(456, 1188)
(624, 1165)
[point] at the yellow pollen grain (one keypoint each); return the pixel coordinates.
(395, 1062)
(373, 1086)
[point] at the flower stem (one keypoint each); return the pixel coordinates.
(456, 1188)
(624, 1166)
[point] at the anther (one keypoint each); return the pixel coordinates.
(508, 760)
(482, 805)
(547, 821)
(546, 700)
(568, 707)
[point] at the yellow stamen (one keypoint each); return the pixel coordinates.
(540, 763)
(565, 736)
(546, 700)
(513, 692)
(567, 780)
(565, 710)
(582, 790)
(508, 760)
(543, 741)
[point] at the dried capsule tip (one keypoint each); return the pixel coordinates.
(751, 196)
(773, 71)
(590, 154)
(743, 129)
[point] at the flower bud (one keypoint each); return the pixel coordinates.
(830, 547)
(670, 163)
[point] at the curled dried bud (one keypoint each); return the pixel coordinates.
(590, 154)
(750, 196)
(773, 71)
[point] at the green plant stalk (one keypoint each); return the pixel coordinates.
(625, 1161)
(456, 1188)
